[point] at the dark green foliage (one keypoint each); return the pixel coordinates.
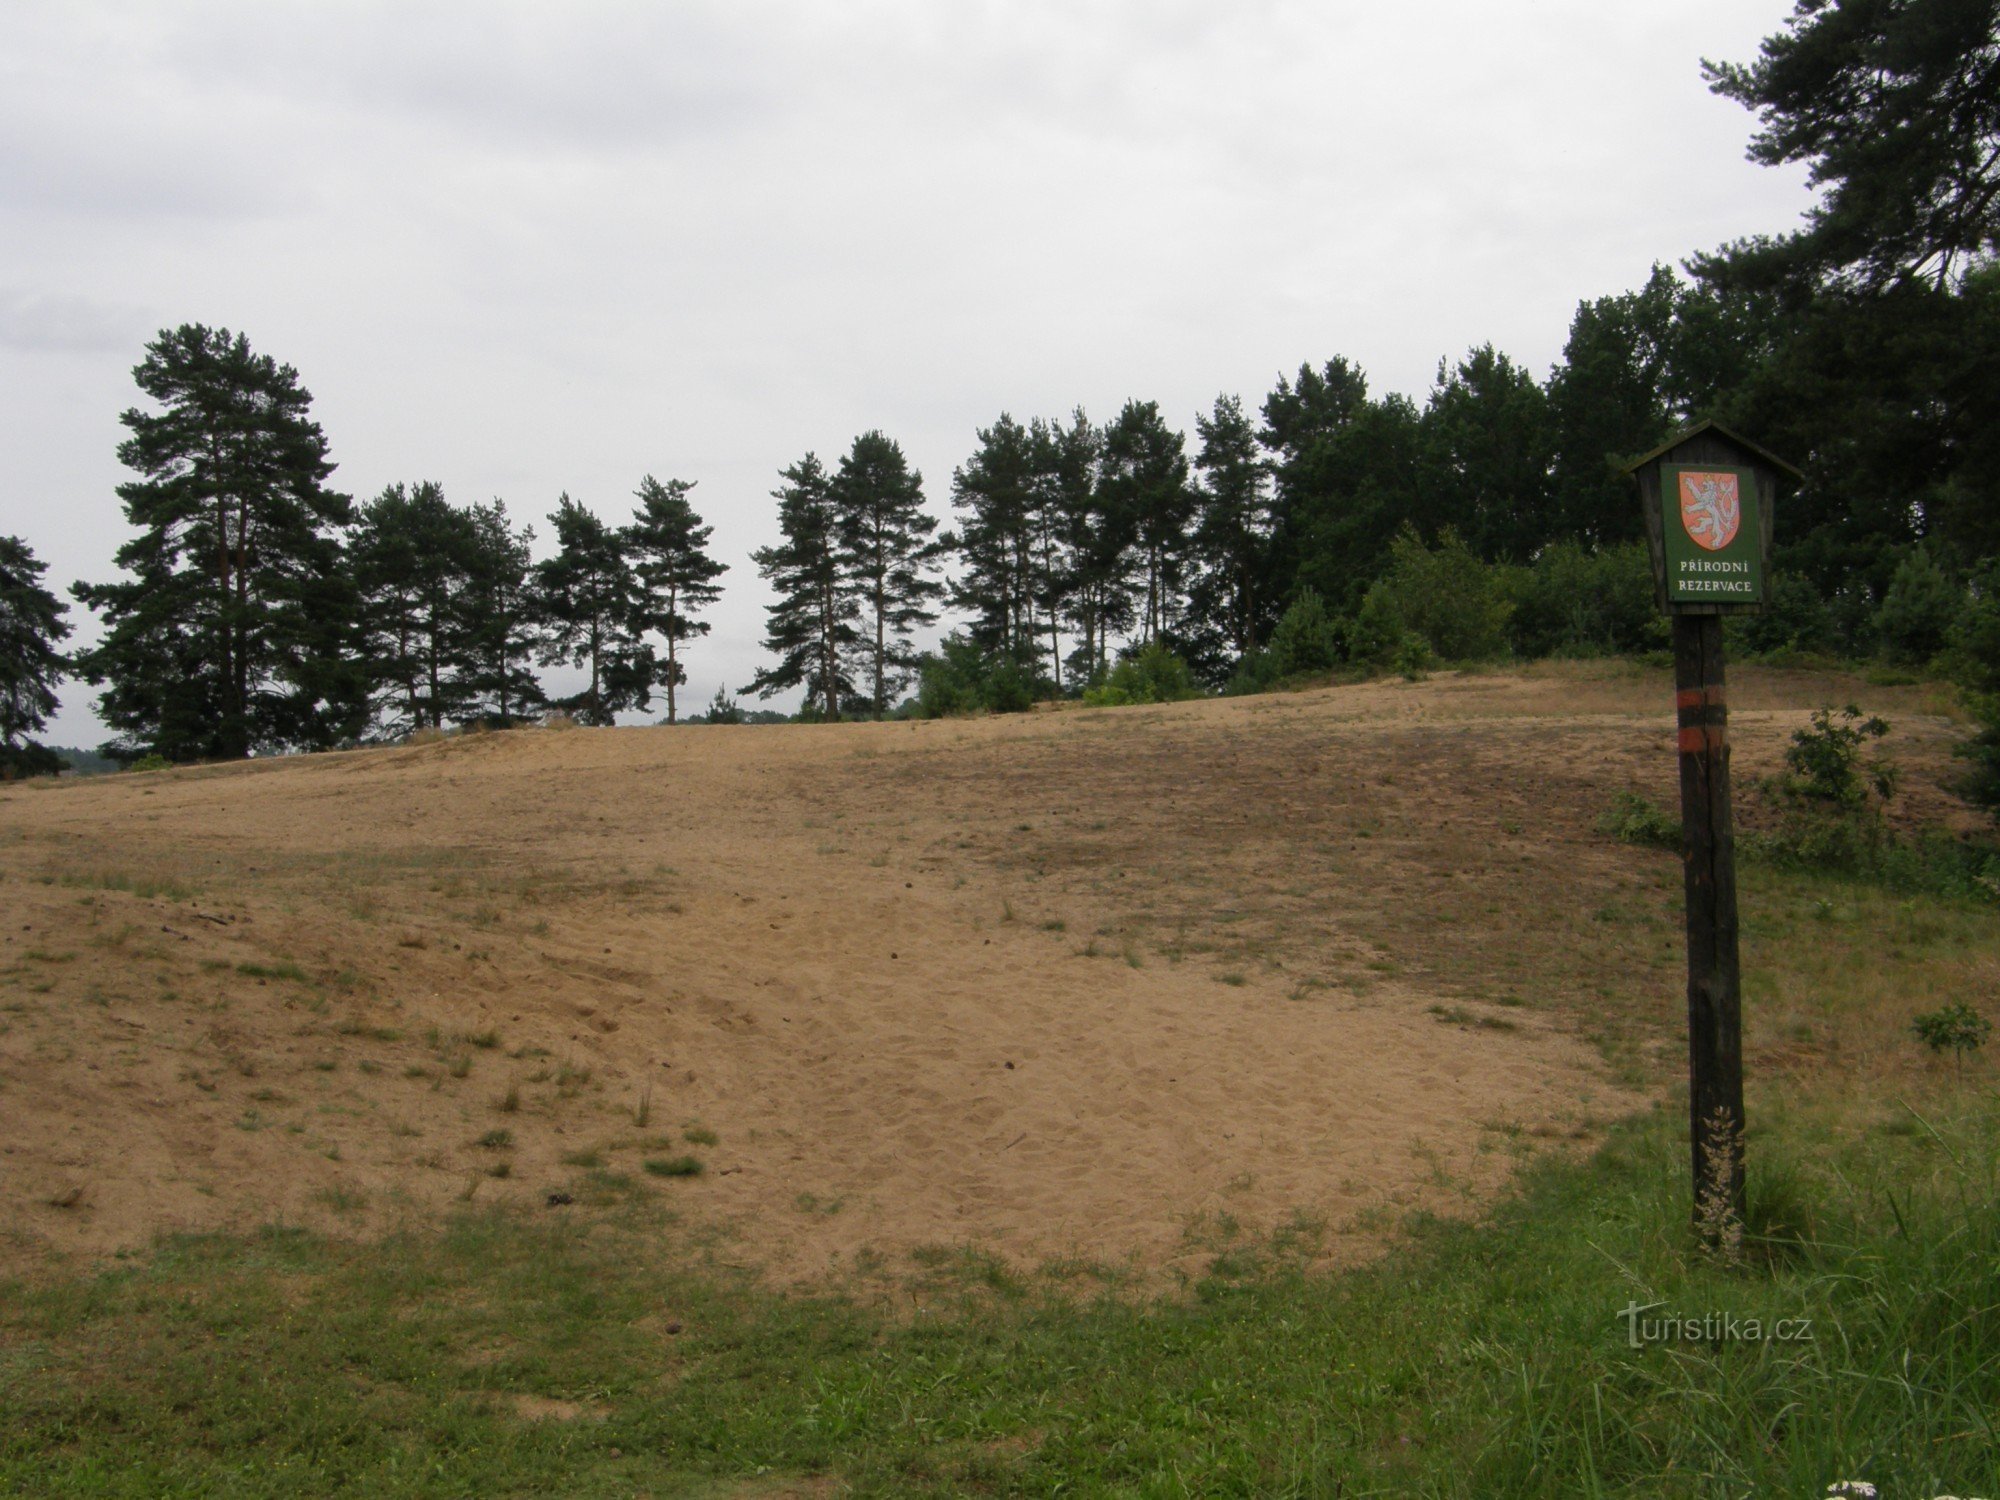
(588, 597)
(889, 559)
(1794, 619)
(1443, 594)
(1826, 764)
(723, 710)
(1306, 639)
(1573, 602)
(1975, 658)
(501, 615)
(412, 556)
(1231, 541)
(1151, 674)
(961, 678)
(1001, 493)
(1607, 402)
(1919, 611)
(1487, 449)
(811, 628)
(234, 629)
(32, 628)
(1095, 537)
(1895, 106)
(1143, 486)
(1956, 1028)
(668, 546)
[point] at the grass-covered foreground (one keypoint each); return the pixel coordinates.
(507, 1355)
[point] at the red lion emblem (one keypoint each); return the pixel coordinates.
(1711, 510)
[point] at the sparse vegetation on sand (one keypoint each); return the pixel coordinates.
(395, 1291)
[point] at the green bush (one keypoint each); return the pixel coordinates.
(1571, 602)
(1916, 617)
(1444, 594)
(1794, 619)
(1633, 819)
(1152, 674)
(961, 678)
(1306, 638)
(1973, 653)
(1824, 762)
(155, 762)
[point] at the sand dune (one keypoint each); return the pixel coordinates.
(1082, 984)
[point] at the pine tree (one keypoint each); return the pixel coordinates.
(1092, 536)
(234, 630)
(412, 557)
(1488, 454)
(1144, 474)
(588, 598)
(1232, 534)
(501, 620)
(997, 491)
(669, 547)
(888, 556)
(32, 627)
(811, 628)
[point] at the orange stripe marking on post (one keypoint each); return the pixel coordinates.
(1689, 698)
(1694, 740)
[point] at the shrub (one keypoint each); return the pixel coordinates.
(1794, 620)
(1633, 819)
(724, 710)
(1917, 614)
(1825, 765)
(1956, 1028)
(1444, 594)
(1577, 603)
(1152, 674)
(153, 762)
(961, 678)
(1974, 658)
(1306, 638)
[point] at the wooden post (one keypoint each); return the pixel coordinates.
(1714, 994)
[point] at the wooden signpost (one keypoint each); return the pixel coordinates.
(1708, 497)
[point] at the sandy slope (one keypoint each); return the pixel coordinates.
(1082, 984)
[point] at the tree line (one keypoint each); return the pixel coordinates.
(1329, 526)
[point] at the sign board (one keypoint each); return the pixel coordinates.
(1713, 535)
(1707, 496)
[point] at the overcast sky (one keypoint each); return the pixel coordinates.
(521, 249)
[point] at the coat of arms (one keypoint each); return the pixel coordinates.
(1711, 509)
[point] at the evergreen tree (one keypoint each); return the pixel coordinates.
(1064, 461)
(1231, 537)
(1607, 403)
(997, 491)
(412, 557)
(888, 556)
(32, 628)
(811, 628)
(1092, 536)
(234, 629)
(1144, 474)
(669, 546)
(1352, 489)
(1895, 107)
(588, 598)
(1487, 452)
(502, 620)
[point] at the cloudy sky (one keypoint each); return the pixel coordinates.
(521, 249)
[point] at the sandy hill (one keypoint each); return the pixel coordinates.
(1071, 984)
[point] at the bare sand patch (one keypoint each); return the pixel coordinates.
(1060, 986)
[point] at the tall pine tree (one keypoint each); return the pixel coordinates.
(1144, 475)
(888, 556)
(1231, 538)
(669, 548)
(811, 627)
(233, 631)
(32, 629)
(412, 557)
(588, 599)
(502, 620)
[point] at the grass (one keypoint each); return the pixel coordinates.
(1483, 1360)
